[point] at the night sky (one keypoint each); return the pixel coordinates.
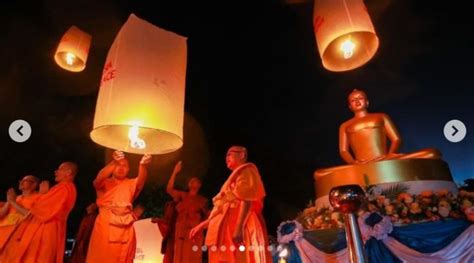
(254, 77)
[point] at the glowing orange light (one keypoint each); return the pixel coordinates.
(348, 48)
(344, 32)
(70, 58)
(73, 50)
(135, 141)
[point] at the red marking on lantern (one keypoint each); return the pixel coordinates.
(108, 73)
(318, 22)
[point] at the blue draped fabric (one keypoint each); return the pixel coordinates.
(376, 251)
(429, 237)
(327, 240)
(373, 219)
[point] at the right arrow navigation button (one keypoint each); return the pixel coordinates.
(455, 130)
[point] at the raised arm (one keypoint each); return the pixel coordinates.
(142, 173)
(107, 170)
(344, 145)
(392, 134)
(104, 174)
(176, 194)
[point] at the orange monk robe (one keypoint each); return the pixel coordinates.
(113, 237)
(79, 252)
(167, 226)
(244, 184)
(191, 211)
(9, 223)
(41, 237)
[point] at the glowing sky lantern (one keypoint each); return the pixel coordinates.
(73, 50)
(140, 106)
(344, 33)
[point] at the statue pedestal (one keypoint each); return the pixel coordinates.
(418, 174)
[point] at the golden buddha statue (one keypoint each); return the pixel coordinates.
(366, 135)
(363, 145)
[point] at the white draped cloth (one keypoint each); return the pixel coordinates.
(461, 250)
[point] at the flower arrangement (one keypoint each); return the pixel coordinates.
(289, 231)
(399, 206)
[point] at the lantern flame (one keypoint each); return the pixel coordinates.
(283, 253)
(348, 48)
(135, 141)
(70, 58)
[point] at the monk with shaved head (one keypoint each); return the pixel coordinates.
(10, 217)
(113, 237)
(41, 237)
(191, 210)
(236, 228)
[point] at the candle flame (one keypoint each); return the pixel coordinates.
(135, 141)
(70, 58)
(348, 48)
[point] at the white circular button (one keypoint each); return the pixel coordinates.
(455, 130)
(19, 131)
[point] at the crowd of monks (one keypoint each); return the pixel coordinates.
(33, 224)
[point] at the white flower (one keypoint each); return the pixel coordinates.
(296, 235)
(379, 231)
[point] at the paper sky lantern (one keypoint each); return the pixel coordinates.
(148, 242)
(73, 49)
(140, 106)
(344, 33)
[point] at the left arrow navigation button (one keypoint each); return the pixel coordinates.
(19, 131)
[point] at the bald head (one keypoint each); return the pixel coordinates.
(194, 184)
(32, 178)
(239, 149)
(236, 155)
(29, 183)
(72, 168)
(66, 172)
